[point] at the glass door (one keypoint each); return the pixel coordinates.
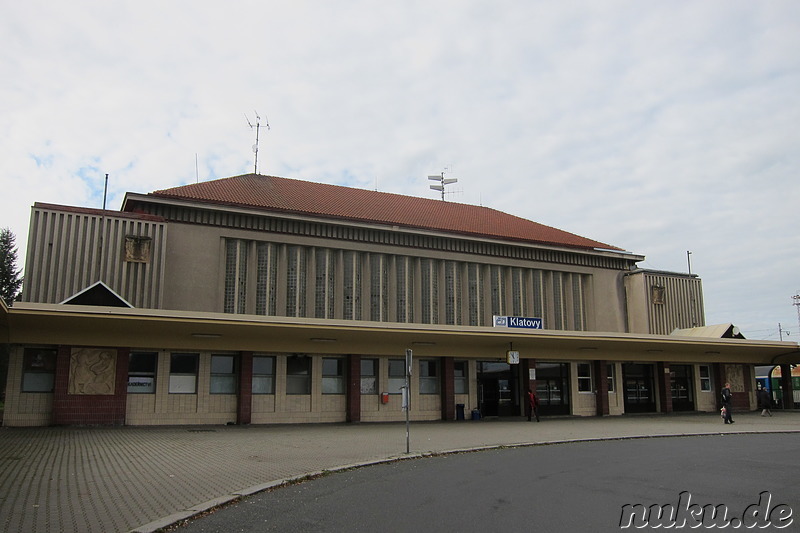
(682, 387)
(639, 388)
(552, 388)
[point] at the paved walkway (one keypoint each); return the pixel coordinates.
(145, 478)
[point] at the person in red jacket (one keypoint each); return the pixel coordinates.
(533, 405)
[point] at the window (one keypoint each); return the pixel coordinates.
(585, 377)
(428, 376)
(369, 376)
(325, 282)
(223, 374)
(142, 372)
(397, 375)
(705, 378)
(235, 276)
(379, 288)
(298, 374)
(183, 373)
(404, 272)
(332, 375)
(352, 286)
(611, 380)
(38, 370)
(475, 298)
(263, 375)
(266, 279)
(460, 373)
(453, 293)
(297, 271)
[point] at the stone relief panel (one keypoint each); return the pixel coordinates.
(92, 371)
(735, 376)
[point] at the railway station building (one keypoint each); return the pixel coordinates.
(262, 300)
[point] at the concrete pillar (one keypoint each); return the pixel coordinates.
(244, 400)
(664, 386)
(601, 387)
(353, 388)
(786, 386)
(448, 400)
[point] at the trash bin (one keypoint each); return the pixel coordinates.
(476, 414)
(459, 411)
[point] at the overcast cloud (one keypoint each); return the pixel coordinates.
(658, 127)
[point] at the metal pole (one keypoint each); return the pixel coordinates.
(409, 359)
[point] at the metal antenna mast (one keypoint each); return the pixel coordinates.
(257, 126)
(796, 303)
(442, 182)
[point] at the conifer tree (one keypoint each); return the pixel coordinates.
(10, 280)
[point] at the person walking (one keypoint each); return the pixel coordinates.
(727, 401)
(765, 401)
(533, 405)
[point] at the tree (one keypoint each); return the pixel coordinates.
(10, 280)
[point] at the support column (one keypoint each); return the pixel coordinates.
(601, 386)
(448, 399)
(786, 386)
(526, 365)
(664, 386)
(244, 401)
(719, 383)
(354, 389)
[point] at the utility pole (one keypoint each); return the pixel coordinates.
(796, 303)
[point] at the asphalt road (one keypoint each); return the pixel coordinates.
(581, 486)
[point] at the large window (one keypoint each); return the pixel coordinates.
(397, 375)
(142, 372)
(325, 283)
(235, 276)
(332, 375)
(460, 373)
(379, 288)
(296, 281)
(223, 374)
(38, 370)
(352, 285)
(428, 376)
(183, 373)
(404, 272)
(298, 374)
(266, 278)
(369, 376)
(585, 377)
(263, 374)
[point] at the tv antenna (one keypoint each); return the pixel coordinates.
(257, 126)
(442, 182)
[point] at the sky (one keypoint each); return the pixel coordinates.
(658, 127)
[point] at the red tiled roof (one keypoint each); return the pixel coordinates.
(361, 205)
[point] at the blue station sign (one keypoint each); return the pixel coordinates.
(517, 322)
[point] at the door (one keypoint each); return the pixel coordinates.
(552, 388)
(682, 387)
(639, 388)
(497, 389)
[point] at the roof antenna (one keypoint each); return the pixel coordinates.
(442, 182)
(257, 126)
